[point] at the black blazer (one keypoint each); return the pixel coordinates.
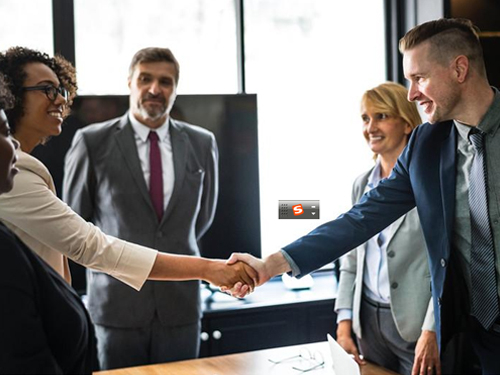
(44, 326)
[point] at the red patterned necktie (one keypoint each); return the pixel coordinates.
(155, 175)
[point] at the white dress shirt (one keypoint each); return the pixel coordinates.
(141, 133)
(376, 275)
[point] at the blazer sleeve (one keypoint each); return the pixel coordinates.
(41, 219)
(348, 266)
(378, 208)
(24, 347)
(79, 179)
(210, 189)
(349, 262)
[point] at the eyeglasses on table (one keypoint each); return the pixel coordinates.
(314, 360)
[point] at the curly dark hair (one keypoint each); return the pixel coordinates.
(6, 97)
(12, 63)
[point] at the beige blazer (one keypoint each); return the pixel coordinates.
(409, 276)
(52, 230)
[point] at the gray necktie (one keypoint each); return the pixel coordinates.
(485, 306)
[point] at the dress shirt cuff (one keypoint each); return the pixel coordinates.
(135, 265)
(291, 262)
(429, 322)
(344, 314)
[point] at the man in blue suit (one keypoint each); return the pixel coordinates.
(443, 63)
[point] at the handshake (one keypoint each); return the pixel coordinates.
(242, 273)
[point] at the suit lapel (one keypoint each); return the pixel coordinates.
(447, 174)
(126, 143)
(179, 154)
(394, 228)
(395, 225)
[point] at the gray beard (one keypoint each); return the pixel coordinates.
(152, 115)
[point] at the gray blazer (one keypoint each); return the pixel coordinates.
(409, 276)
(105, 184)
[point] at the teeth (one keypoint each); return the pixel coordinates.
(55, 114)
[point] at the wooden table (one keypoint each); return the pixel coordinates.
(249, 363)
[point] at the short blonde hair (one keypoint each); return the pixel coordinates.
(391, 98)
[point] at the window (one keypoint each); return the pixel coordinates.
(27, 23)
(201, 34)
(309, 63)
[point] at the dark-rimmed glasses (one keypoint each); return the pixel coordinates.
(50, 90)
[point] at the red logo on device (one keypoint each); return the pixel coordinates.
(298, 210)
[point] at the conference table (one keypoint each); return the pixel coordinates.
(251, 363)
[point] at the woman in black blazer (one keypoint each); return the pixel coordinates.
(44, 326)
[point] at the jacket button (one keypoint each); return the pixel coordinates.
(443, 262)
(394, 285)
(391, 254)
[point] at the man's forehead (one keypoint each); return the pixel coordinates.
(415, 59)
(155, 68)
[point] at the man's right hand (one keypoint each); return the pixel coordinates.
(257, 264)
(344, 338)
(221, 273)
(274, 264)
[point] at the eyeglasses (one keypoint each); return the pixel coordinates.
(50, 90)
(313, 360)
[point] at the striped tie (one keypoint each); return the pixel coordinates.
(485, 306)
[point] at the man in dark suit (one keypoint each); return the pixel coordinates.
(146, 178)
(452, 179)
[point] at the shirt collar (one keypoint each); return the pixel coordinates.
(463, 130)
(142, 130)
(374, 177)
(490, 121)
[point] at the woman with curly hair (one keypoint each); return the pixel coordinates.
(44, 326)
(43, 89)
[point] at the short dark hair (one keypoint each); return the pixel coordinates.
(448, 37)
(154, 54)
(6, 97)
(12, 63)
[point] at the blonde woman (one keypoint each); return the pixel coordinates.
(384, 290)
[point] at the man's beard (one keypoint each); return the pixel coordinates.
(153, 113)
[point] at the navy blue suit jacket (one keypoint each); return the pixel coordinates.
(424, 176)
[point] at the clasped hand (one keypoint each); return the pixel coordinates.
(249, 272)
(239, 275)
(254, 268)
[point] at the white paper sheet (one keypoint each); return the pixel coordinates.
(343, 363)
